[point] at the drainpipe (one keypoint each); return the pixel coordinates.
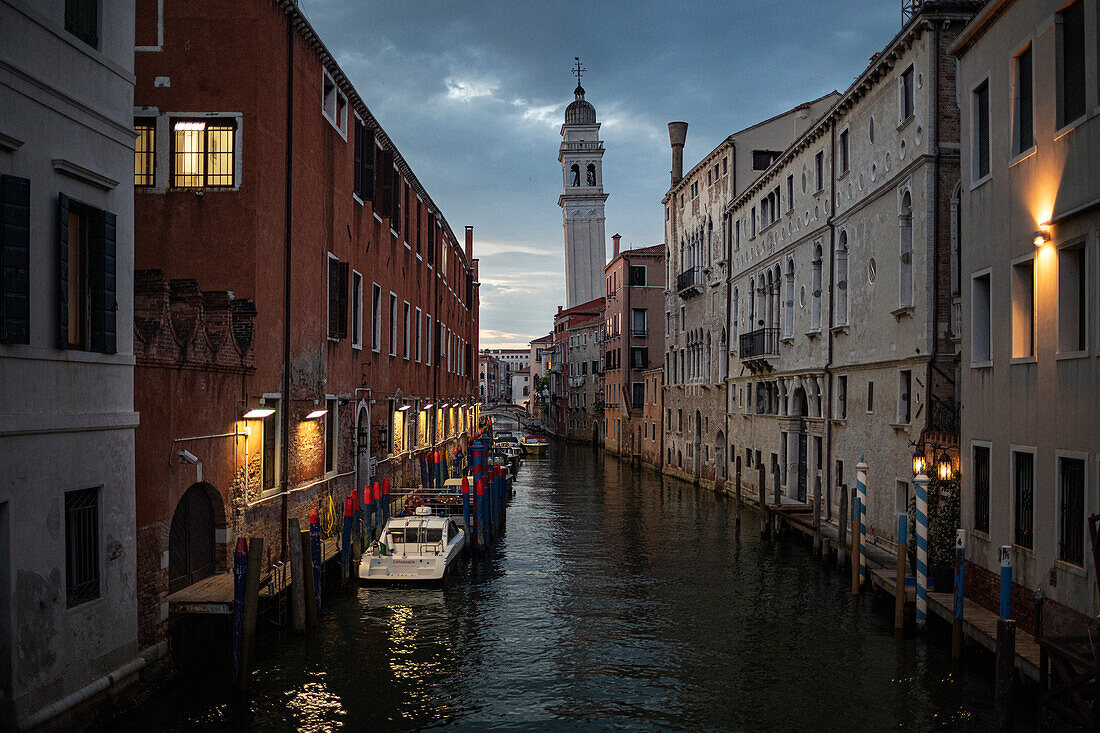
(284, 447)
(934, 138)
(828, 407)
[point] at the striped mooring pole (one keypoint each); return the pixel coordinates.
(385, 501)
(861, 489)
(466, 509)
(921, 482)
(960, 585)
(1006, 581)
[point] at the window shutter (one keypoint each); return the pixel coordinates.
(101, 281)
(15, 210)
(63, 271)
(333, 298)
(343, 269)
(358, 166)
(384, 175)
(395, 222)
(369, 151)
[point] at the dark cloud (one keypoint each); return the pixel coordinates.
(473, 93)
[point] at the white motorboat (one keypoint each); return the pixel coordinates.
(418, 548)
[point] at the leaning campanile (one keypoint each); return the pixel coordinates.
(582, 199)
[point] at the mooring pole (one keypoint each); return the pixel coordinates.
(240, 569)
(315, 553)
(251, 605)
(856, 542)
(921, 483)
(960, 586)
(739, 502)
(304, 540)
(842, 529)
(466, 510)
(899, 579)
(861, 488)
(763, 503)
(297, 575)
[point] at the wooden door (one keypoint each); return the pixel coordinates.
(191, 540)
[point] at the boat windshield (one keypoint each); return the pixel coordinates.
(418, 535)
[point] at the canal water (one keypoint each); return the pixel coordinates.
(616, 599)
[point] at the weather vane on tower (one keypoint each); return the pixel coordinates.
(578, 69)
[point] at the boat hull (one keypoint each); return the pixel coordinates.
(409, 568)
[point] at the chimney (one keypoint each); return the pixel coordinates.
(469, 244)
(615, 245)
(677, 135)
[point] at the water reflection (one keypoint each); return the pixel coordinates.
(616, 598)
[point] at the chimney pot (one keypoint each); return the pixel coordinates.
(615, 245)
(469, 244)
(677, 136)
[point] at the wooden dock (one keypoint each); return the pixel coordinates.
(214, 594)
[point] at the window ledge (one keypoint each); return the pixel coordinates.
(393, 232)
(358, 200)
(1023, 360)
(843, 174)
(1069, 127)
(419, 257)
(408, 247)
(787, 340)
(839, 329)
(978, 534)
(981, 365)
(974, 185)
(900, 426)
(814, 333)
(1070, 568)
(357, 347)
(905, 123)
(840, 421)
(1021, 157)
(906, 311)
(1025, 551)
(1065, 355)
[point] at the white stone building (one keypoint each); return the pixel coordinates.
(68, 611)
(698, 237)
(840, 289)
(583, 365)
(1030, 285)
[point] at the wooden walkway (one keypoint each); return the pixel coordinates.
(214, 594)
(979, 624)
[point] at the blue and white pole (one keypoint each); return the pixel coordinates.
(921, 482)
(1006, 582)
(861, 490)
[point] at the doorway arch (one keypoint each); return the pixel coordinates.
(798, 409)
(191, 545)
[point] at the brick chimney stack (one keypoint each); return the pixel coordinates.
(677, 135)
(615, 245)
(469, 244)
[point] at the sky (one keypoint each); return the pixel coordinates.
(474, 95)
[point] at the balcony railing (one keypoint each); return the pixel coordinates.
(582, 145)
(689, 282)
(758, 343)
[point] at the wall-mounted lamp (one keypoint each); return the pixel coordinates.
(1041, 236)
(403, 408)
(258, 413)
(918, 463)
(944, 466)
(316, 414)
(427, 407)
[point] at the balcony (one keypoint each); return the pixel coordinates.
(690, 282)
(756, 347)
(582, 145)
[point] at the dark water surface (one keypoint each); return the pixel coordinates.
(616, 599)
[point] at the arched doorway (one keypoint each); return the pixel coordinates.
(362, 445)
(191, 537)
(698, 445)
(799, 407)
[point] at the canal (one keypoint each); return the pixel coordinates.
(617, 598)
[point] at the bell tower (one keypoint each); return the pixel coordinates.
(582, 199)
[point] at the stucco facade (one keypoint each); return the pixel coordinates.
(68, 611)
(1030, 377)
(583, 353)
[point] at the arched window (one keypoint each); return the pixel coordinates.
(706, 363)
(777, 293)
(842, 281)
(905, 236)
(788, 320)
(591, 174)
(733, 318)
(769, 302)
(815, 294)
(723, 356)
(576, 171)
(752, 303)
(710, 239)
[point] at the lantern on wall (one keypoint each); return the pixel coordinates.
(944, 466)
(918, 462)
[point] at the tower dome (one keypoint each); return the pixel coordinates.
(579, 111)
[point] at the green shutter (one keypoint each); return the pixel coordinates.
(101, 281)
(62, 271)
(15, 196)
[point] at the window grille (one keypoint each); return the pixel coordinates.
(1071, 476)
(981, 488)
(1024, 471)
(81, 546)
(145, 153)
(203, 154)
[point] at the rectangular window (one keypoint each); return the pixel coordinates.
(145, 153)
(82, 21)
(203, 153)
(1023, 482)
(752, 218)
(790, 191)
(334, 103)
(980, 348)
(637, 275)
(428, 345)
(270, 439)
(980, 139)
(357, 310)
(639, 358)
(407, 343)
(1072, 315)
(843, 151)
(1071, 510)
(819, 170)
(331, 430)
(870, 396)
(393, 324)
(77, 295)
(905, 385)
(81, 546)
(337, 298)
(1023, 309)
(1071, 63)
(419, 224)
(638, 321)
(908, 104)
(364, 161)
(1024, 122)
(761, 159)
(376, 318)
(637, 395)
(981, 488)
(419, 339)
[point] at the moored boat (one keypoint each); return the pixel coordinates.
(535, 445)
(417, 548)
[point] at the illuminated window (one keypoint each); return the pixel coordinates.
(145, 153)
(203, 153)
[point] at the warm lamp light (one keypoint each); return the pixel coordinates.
(316, 414)
(258, 413)
(918, 463)
(426, 407)
(403, 408)
(944, 466)
(1041, 237)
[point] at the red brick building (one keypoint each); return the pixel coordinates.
(634, 340)
(560, 384)
(307, 320)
